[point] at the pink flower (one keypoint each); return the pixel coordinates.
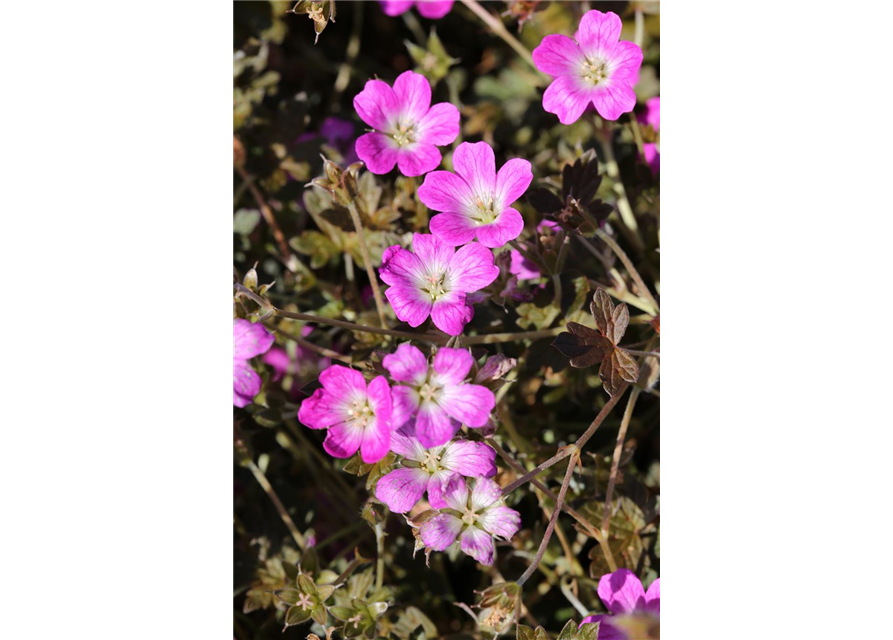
(407, 127)
(430, 469)
(357, 416)
(595, 69)
(432, 9)
(476, 202)
(249, 340)
(652, 117)
(481, 517)
(436, 399)
(623, 594)
(434, 280)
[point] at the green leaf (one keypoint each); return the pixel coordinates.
(569, 631)
(342, 613)
(289, 596)
(318, 613)
(588, 631)
(540, 317)
(325, 591)
(377, 608)
(296, 615)
(245, 221)
(523, 632)
(306, 585)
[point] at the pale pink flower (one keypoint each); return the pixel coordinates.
(357, 416)
(407, 127)
(482, 515)
(249, 340)
(622, 593)
(651, 116)
(476, 200)
(431, 9)
(435, 401)
(434, 280)
(429, 469)
(593, 67)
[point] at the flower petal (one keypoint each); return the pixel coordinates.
(659, 599)
(652, 113)
(342, 382)
(343, 440)
(435, 488)
(434, 9)
(417, 159)
(406, 403)
(406, 364)
(512, 181)
(613, 100)
(409, 305)
(501, 521)
(468, 458)
(440, 531)
(506, 227)
(598, 32)
(433, 426)
(445, 191)
(452, 365)
(558, 55)
(402, 489)
(455, 493)
(567, 97)
(452, 228)
(395, 7)
(475, 163)
(478, 544)
(400, 267)
(413, 93)
(376, 441)
(606, 630)
(379, 397)
(250, 339)
(378, 151)
(484, 493)
(471, 268)
(621, 591)
(377, 105)
(321, 410)
(450, 314)
(625, 60)
(434, 254)
(405, 444)
(246, 383)
(440, 125)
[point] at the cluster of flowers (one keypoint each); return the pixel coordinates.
(418, 418)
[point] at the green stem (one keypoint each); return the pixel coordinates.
(379, 564)
(283, 514)
(499, 29)
(630, 267)
(367, 261)
(615, 462)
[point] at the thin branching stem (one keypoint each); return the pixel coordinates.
(495, 24)
(283, 514)
(323, 351)
(367, 261)
(647, 354)
(615, 462)
(633, 272)
(563, 453)
(379, 548)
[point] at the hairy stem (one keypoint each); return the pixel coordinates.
(267, 213)
(495, 24)
(490, 338)
(615, 462)
(551, 526)
(379, 563)
(563, 453)
(364, 251)
(324, 352)
(268, 488)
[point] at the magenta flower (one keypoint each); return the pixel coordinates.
(652, 117)
(432, 9)
(436, 399)
(357, 416)
(434, 280)
(476, 202)
(475, 517)
(592, 68)
(430, 470)
(623, 594)
(249, 340)
(407, 127)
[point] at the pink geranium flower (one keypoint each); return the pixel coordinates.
(357, 416)
(432, 9)
(623, 594)
(249, 340)
(407, 127)
(592, 68)
(476, 200)
(652, 116)
(434, 402)
(434, 280)
(474, 516)
(430, 469)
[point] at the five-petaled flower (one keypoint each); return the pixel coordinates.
(434, 280)
(592, 68)
(406, 126)
(474, 516)
(434, 402)
(623, 594)
(249, 340)
(476, 200)
(357, 416)
(431, 9)
(430, 469)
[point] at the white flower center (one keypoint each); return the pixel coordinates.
(431, 462)
(403, 134)
(469, 517)
(594, 71)
(360, 414)
(435, 285)
(484, 213)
